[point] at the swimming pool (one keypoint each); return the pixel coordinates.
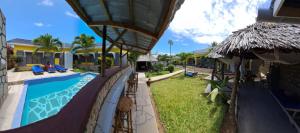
(45, 97)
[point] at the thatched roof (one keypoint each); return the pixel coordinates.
(261, 36)
(213, 54)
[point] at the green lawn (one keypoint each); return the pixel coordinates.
(153, 74)
(183, 108)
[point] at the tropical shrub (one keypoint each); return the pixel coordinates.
(158, 67)
(171, 68)
(218, 95)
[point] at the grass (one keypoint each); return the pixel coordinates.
(153, 74)
(183, 108)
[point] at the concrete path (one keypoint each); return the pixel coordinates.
(144, 117)
(260, 113)
(162, 77)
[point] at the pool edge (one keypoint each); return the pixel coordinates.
(17, 118)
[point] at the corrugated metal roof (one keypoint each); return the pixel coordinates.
(146, 57)
(137, 24)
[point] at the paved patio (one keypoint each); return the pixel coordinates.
(260, 113)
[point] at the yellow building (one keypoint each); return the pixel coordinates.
(24, 49)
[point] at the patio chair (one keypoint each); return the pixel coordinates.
(37, 70)
(60, 68)
(289, 104)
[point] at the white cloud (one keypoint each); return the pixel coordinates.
(185, 44)
(46, 3)
(205, 21)
(39, 24)
(71, 14)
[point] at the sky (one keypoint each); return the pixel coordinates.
(195, 26)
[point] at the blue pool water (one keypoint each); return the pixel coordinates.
(45, 98)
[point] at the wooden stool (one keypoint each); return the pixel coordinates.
(136, 78)
(123, 121)
(131, 90)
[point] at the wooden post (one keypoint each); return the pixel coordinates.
(120, 60)
(214, 69)
(231, 111)
(103, 61)
(222, 71)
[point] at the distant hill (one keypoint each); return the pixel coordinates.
(201, 51)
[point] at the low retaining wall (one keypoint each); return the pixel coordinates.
(81, 113)
(162, 77)
(3, 60)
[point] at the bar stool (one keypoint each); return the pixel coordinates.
(136, 79)
(123, 120)
(131, 90)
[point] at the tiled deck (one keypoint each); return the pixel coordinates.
(260, 113)
(21, 76)
(8, 109)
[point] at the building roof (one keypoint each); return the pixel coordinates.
(147, 57)
(19, 40)
(261, 36)
(136, 24)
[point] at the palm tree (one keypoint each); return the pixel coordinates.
(47, 44)
(132, 58)
(84, 43)
(183, 58)
(171, 44)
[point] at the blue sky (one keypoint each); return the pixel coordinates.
(195, 26)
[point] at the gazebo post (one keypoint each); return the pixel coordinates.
(222, 71)
(232, 106)
(214, 70)
(103, 61)
(120, 60)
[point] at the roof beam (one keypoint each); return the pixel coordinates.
(80, 11)
(83, 15)
(131, 16)
(168, 13)
(125, 26)
(107, 13)
(116, 40)
(135, 46)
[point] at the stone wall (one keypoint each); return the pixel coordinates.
(91, 125)
(3, 66)
(290, 80)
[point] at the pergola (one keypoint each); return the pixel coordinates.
(133, 25)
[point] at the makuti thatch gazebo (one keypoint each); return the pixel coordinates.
(277, 42)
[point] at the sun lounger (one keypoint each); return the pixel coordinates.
(191, 74)
(60, 68)
(37, 69)
(51, 70)
(289, 104)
